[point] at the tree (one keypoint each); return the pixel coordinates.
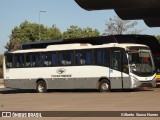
(29, 32)
(77, 32)
(117, 26)
(54, 33)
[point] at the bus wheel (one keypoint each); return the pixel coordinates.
(104, 86)
(41, 87)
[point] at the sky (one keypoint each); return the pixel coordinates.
(62, 13)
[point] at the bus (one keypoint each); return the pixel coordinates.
(80, 66)
(148, 40)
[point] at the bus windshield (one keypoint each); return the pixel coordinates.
(141, 62)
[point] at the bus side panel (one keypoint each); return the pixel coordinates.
(118, 81)
(126, 81)
(20, 83)
(72, 83)
(115, 79)
(58, 83)
(79, 77)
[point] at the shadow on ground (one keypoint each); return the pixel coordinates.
(17, 91)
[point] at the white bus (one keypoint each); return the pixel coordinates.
(80, 66)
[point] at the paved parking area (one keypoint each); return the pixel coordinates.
(142, 100)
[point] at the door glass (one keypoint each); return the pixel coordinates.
(116, 60)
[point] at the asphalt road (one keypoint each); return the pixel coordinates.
(24, 100)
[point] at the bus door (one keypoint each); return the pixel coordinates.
(115, 72)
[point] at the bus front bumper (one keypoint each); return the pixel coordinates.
(137, 83)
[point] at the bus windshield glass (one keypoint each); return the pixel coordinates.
(141, 62)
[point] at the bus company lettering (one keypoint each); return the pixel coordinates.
(61, 71)
(59, 76)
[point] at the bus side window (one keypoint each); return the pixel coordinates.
(80, 58)
(107, 57)
(69, 58)
(18, 60)
(66, 58)
(14, 61)
(9, 59)
(88, 57)
(36, 61)
(22, 60)
(61, 59)
(28, 60)
(53, 59)
(46, 59)
(43, 60)
(100, 57)
(84, 57)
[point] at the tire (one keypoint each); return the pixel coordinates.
(104, 86)
(41, 87)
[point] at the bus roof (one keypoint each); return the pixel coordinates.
(77, 46)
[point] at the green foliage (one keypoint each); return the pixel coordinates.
(158, 38)
(77, 32)
(29, 32)
(53, 33)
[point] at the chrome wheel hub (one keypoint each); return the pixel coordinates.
(105, 86)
